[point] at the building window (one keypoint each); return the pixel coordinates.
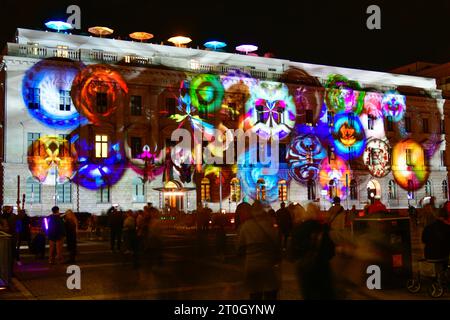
(392, 190)
(389, 124)
(444, 189)
(410, 189)
(102, 102)
(64, 192)
(33, 192)
(33, 148)
(282, 153)
(205, 190)
(34, 98)
(442, 158)
(442, 127)
(332, 188)
(103, 195)
(136, 146)
(370, 122)
(260, 113)
(353, 190)
(64, 152)
(408, 154)
(425, 125)
(408, 124)
(64, 100)
(261, 190)
(101, 146)
(330, 119)
(309, 117)
(311, 189)
(171, 105)
(282, 190)
(331, 154)
(136, 105)
(232, 111)
(428, 188)
(235, 190)
(138, 190)
(62, 51)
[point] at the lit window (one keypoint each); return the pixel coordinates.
(408, 153)
(205, 190)
(332, 186)
(282, 190)
(392, 190)
(235, 190)
(62, 51)
(101, 146)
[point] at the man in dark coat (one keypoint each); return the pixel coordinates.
(284, 221)
(56, 233)
(116, 226)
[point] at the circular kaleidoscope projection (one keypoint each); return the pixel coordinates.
(50, 161)
(372, 104)
(46, 93)
(376, 158)
(100, 161)
(409, 165)
(259, 181)
(304, 156)
(393, 105)
(147, 163)
(206, 92)
(333, 177)
(99, 91)
(343, 95)
(270, 110)
(349, 137)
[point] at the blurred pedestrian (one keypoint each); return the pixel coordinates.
(312, 249)
(8, 225)
(55, 233)
(129, 232)
(71, 224)
(23, 232)
(242, 213)
(259, 243)
(428, 213)
(284, 222)
(116, 226)
(219, 224)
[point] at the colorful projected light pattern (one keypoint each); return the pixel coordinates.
(94, 173)
(48, 154)
(372, 104)
(98, 92)
(148, 164)
(376, 158)
(333, 177)
(393, 105)
(46, 94)
(343, 95)
(206, 93)
(349, 137)
(304, 157)
(409, 165)
(270, 110)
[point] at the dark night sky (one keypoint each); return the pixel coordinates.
(324, 32)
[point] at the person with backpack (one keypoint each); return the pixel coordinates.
(55, 234)
(312, 250)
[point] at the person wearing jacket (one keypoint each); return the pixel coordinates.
(260, 245)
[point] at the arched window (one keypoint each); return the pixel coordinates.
(311, 189)
(261, 190)
(282, 190)
(138, 190)
(64, 192)
(410, 189)
(235, 190)
(428, 188)
(444, 189)
(353, 190)
(205, 190)
(33, 192)
(392, 190)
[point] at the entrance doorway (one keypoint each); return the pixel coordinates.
(373, 190)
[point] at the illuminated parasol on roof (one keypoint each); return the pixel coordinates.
(141, 36)
(215, 45)
(58, 25)
(179, 41)
(246, 48)
(100, 31)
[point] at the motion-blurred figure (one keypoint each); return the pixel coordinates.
(71, 225)
(284, 222)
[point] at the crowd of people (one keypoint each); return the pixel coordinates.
(305, 235)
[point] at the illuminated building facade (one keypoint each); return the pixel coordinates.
(87, 123)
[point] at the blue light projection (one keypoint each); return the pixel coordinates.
(349, 137)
